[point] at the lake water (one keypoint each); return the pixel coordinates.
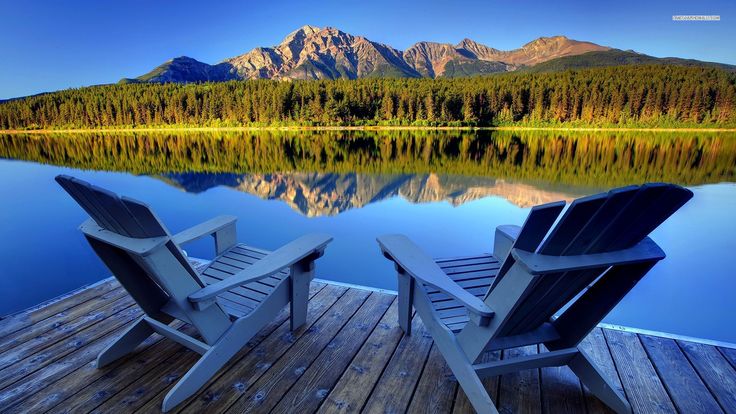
(446, 190)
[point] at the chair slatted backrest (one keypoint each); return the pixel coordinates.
(601, 223)
(142, 278)
(535, 227)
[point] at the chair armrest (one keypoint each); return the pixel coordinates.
(504, 239)
(206, 228)
(419, 266)
(308, 247)
(140, 247)
(645, 251)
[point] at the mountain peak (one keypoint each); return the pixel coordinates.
(466, 43)
(302, 32)
(312, 52)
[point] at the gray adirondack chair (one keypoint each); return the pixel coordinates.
(228, 302)
(578, 268)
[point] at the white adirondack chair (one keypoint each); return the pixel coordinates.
(579, 268)
(228, 302)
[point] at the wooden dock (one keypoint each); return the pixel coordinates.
(351, 356)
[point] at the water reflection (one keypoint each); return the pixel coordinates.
(325, 194)
(581, 159)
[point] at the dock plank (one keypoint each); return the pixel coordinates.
(561, 390)
(717, 373)
(396, 386)
(595, 346)
(729, 354)
(644, 389)
(20, 369)
(358, 380)
(520, 391)
(38, 343)
(436, 390)
(80, 387)
(42, 380)
(310, 390)
(150, 384)
(12, 323)
(679, 377)
(265, 393)
(60, 320)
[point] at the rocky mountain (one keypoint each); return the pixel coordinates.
(322, 194)
(433, 60)
(328, 53)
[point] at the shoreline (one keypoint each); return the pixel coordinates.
(363, 128)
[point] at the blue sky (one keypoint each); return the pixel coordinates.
(51, 45)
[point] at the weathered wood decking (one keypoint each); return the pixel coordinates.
(351, 356)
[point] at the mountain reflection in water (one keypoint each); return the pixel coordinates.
(324, 194)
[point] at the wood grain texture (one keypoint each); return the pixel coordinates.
(13, 323)
(682, 382)
(717, 373)
(520, 391)
(437, 387)
(310, 390)
(644, 389)
(360, 377)
(265, 393)
(597, 349)
(396, 386)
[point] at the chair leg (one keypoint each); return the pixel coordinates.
(300, 275)
(211, 362)
(197, 376)
(597, 383)
(125, 343)
(463, 370)
(232, 341)
(406, 296)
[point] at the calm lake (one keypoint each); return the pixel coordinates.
(445, 190)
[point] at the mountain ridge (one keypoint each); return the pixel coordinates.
(312, 52)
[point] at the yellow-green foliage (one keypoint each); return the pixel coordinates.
(658, 96)
(582, 158)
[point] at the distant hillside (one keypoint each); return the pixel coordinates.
(616, 57)
(185, 69)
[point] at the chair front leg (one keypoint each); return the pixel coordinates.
(125, 343)
(300, 275)
(406, 297)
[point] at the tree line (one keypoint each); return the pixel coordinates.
(594, 160)
(658, 96)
